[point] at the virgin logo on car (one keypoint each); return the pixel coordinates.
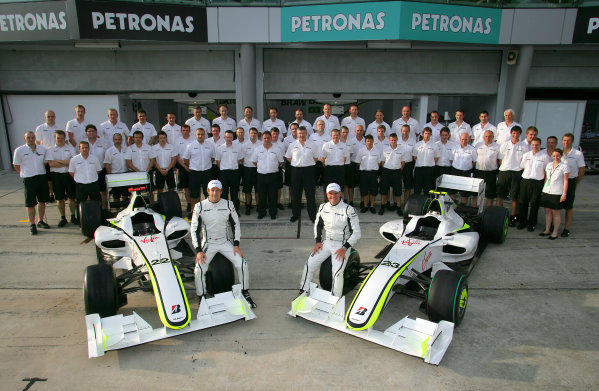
(410, 242)
(149, 239)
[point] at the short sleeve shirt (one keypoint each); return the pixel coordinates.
(487, 156)
(200, 155)
(31, 162)
(554, 178)
(140, 156)
(66, 152)
(464, 158)
(575, 160)
(172, 132)
(302, 155)
(106, 130)
(147, 129)
(77, 129)
(370, 158)
(85, 170)
(164, 155)
(425, 153)
(229, 157)
(116, 159)
(267, 160)
(45, 133)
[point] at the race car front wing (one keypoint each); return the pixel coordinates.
(119, 331)
(420, 338)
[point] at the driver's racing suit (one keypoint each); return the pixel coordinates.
(215, 228)
(342, 230)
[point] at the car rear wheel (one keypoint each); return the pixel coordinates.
(447, 297)
(494, 224)
(416, 205)
(90, 217)
(351, 274)
(100, 290)
(220, 275)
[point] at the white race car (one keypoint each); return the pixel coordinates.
(140, 243)
(431, 252)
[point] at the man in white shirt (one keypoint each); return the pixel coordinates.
(407, 173)
(115, 163)
(84, 168)
(551, 143)
(371, 159)
(445, 147)
(333, 157)
(318, 138)
(487, 163)
(531, 133)
(182, 168)
(504, 129)
(381, 141)
(250, 172)
(44, 133)
(228, 158)
(165, 158)
(216, 139)
(148, 130)
(351, 121)
(464, 159)
(267, 160)
(330, 121)
(290, 139)
(224, 121)
(138, 157)
(395, 156)
(508, 180)
(58, 158)
(425, 155)
(273, 121)
(98, 147)
(108, 128)
(75, 128)
(197, 121)
(302, 154)
(577, 168)
(533, 163)
(479, 129)
(248, 121)
(28, 161)
(278, 143)
(378, 120)
(435, 125)
(172, 129)
(300, 121)
(458, 127)
(352, 177)
(199, 157)
(405, 119)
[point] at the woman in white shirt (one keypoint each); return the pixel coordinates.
(554, 193)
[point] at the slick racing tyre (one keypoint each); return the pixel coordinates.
(494, 224)
(100, 290)
(90, 217)
(415, 206)
(351, 274)
(102, 258)
(170, 204)
(447, 297)
(220, 275)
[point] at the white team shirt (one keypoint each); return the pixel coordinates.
(98, 149)
(372, 129)
(85, 170)
(287, 141)
(200, 155)
(224, 123)
(504, 131)
(464, 158)
(302, 155)
(267, 160)
(425, 153)
(478, 132)
(334, 154)
(140, 156)
(116, 159)
(351, 124)
(575, 160)
(381, 144)
(436, 136)
(394, 157)
(229, 157)
(329, 123)
(445, 153)
(77, 129)
(66, 152)
(31, 161)
(196, 124)
(487, 156)
(457, 130)
(172, 133)
(370, 158)
(412, 123)
(534, 165)
(106, 130)
(307, 125)
(554, 178)
(164, 155)
(355, 146)
(147, 129)
(511, 155)
(408, 145)
(217, 143)
(319, 140)
(45, 133)
(243, 123)
(268, 124)
(248, 149)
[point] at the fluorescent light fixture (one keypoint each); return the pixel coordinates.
(97, 44)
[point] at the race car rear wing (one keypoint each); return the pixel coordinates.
(467, 184)
(119, 331)
(419, 337)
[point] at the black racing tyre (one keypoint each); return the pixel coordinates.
(416, 205)
(447, 297)
(351, 274)
(170, 204)
(220, 275)
(494, 224)
(90, 217)
(100, 255)
(100, 290)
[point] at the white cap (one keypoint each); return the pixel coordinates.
(215, 183)
(333, 187)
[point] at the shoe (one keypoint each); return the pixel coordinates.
(293, 219)
(62, 222)
(372, 210)
(521, 226)
(43, 224)
(545, 234)
(52, 199)
(387, 205)
(361, 205)
(392, 207)
(248, 298)
(565, 233)
(363, 209)
(261, 216)
(552, 237)
(188, 208)
(33, 229)
(531, 228)
(289, 206)
(381, 211)
(273, 217)
(280, 207)
(513, 221)
(74, 220)
(248, 211)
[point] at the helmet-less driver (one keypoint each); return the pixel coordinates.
(210, 224)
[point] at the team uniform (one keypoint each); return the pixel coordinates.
(267, 164)
(289, 139)
(268, 124)
(172, 133)
(575, 160)
(391, 171)
(86, 177)
(33, 172)
(372, 129)
(307, 125)
(319, 140)
(531, 186)
(352, 177)
(225, 124)
(351, 123)
(412, 123)
(200, 156)
(250, 172)
(445, 157)
(508, 180)
(436, 136)
(182, 174)
(553, 187)
(229, 158)
(504, 132)
(63, 184)
(98, 149)
(478, 132)
(107, 129)
(45, 133)
(140, 157)
(116, 160)
(464, 160)
(147, 129)
(334, 156)
(243, 123)
(424, 167)
(194, 124)
(302, 176)
(457, 130)
(329, 123)
(407, 173)
(164, 156)
(77, 129)
(370, 160)
(486, 167)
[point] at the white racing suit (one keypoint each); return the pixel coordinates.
(215, 229)
(342, 230)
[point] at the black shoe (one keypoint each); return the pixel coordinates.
(363, 209)
(74, 220)
(513, 221)
(248, 298)
(372, 210)
(544, 234)
(382, 210)
(261, 216)
(273, 217)
(52, 199)
(361, 205)
(531, 228)
(33, 229)
(387, 205)
(280, 207)
(62, 222)
(188, 208)
(521, 226)
(289, 206)
(248, 211)
(392, 207)
(293, 219)
(552, 237)
(43, 224)
(565, 233)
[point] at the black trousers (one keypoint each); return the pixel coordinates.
(267, 193)
(530, 192)
(334, 174)
(424, 179)
(230, 181)
(302, 179)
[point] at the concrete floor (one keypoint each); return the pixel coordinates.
(531, 322)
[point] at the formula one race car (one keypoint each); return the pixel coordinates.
(142, 243)
(431, 252)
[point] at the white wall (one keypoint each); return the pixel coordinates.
(554, 118)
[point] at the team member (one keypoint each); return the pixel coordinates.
(352, 120)
(330, 121)
(407, 174)
(342, 226)
(445, 147)
(352, 179)
(115, 163)
(404, 120)
(75, 128)
(248, 122)
(318, 138)
(380, 141)
(228, 158)
(290, 139)
(138, 156)
(44, 133)
(487, 162)
(378, 120)
(148, 130)
(458, 127)
(165, 158)
(426, 155)
(464, 159)
(576, 170)
(278, 143)
(504, 129)
(395, 157)
(199, 156)
(182, 168)
(551, 143)
(508, 180)
(197, 121)
(84, 168)
(531, 133)
(333, 157)
(224, 121)
(98, 147)
(273, 121)
(534, 163)
(28, 161)
(217, 141)
(267, 160)
(300, 121)
(58, 158)
(108, 128)
(250, 173)
(210, 224)
(554, 194)
(481, 128)
(371, 159)
(172, 129)
(302, 155)
(435, 125)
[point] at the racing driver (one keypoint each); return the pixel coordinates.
(210, 224)
(340, 221)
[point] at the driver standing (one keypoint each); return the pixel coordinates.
(210, 224)
(340, 221)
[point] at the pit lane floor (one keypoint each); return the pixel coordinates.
(531, 322)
